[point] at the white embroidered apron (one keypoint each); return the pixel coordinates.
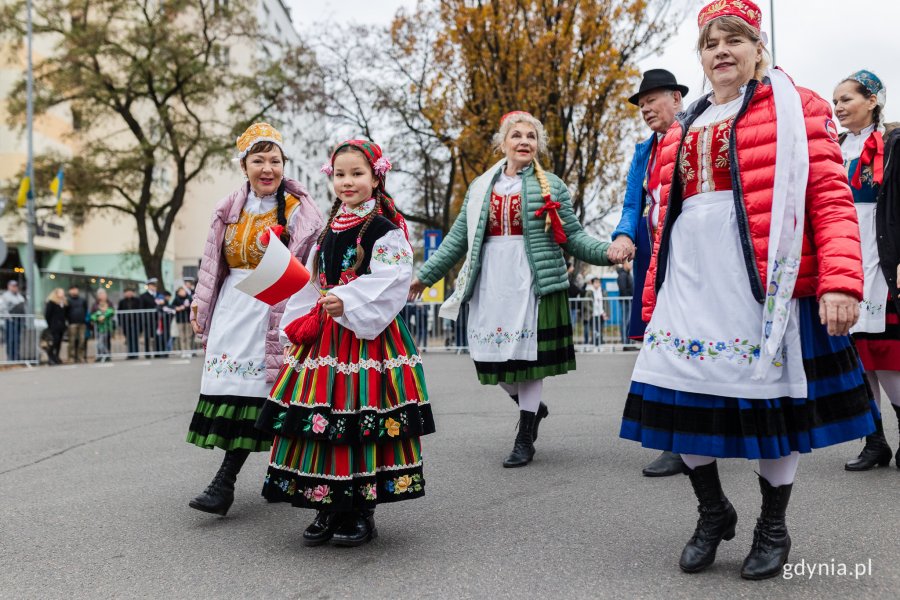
(235, 363)
(503, 310)
(872, 309)
(704, 333)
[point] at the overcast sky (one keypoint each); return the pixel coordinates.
(817, 42)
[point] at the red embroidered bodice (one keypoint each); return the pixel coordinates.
(505, 215)
(704, 163)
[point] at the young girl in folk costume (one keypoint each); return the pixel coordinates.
(350, 403)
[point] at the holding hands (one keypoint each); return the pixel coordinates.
(621, 249)
(415, 289)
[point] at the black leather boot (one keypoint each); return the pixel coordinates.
(523, 448)
(771, 542)
(667, 463)
(322, 528)
(356, 529)
(542, 412)
(219, 495)
(716, 523)
(876, 452)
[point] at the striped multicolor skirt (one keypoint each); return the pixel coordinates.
(348, 414)
(556, 348)
(838, 407)
(881, 351)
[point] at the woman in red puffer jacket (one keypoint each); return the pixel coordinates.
(754, 283)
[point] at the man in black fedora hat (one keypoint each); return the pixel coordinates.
(659, 98)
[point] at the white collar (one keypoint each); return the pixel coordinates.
(361, 211)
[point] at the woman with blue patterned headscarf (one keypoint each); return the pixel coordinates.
(859, 104)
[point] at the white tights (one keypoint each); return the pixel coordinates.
(529, 393)
(777, 471)
(890, 381)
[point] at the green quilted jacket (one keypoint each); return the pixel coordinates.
(544, 255)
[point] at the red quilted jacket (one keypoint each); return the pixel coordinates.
(832, 259)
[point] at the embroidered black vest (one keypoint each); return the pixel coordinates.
(338, 252)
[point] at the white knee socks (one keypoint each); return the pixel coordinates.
(890, 381)
(777, 471)
(530, 395)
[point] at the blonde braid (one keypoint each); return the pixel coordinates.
(545, 188)
(334, 211)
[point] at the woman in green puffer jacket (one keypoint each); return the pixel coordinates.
(514, 225)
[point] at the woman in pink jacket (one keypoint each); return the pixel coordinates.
(243, 353)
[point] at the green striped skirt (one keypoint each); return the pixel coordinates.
(229, 423)
(556, 349)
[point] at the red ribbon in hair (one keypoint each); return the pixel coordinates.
(551, 209)
(872, 154)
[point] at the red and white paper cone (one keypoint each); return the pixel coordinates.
(278, 276)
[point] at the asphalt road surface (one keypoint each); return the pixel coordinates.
(95, 478)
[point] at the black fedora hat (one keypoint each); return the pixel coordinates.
(656, 79)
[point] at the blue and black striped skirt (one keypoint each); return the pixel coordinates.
(839, 407)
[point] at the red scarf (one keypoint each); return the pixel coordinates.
(872, 154)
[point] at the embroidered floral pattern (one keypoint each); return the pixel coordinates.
(225, 365)
(499, 336)
(337, 429)
(367, 425)
(348, 259)
(738, 351)
(870, 307)
(346, 368)
(390, 427)
(369, 492)
(404, 484)
(320, 493)
(384, 255)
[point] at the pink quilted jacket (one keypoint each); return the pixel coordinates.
(304, 226)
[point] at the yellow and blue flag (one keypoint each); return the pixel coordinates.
(24, 191)
(56, 187)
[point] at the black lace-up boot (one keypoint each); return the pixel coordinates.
(523, 448)
(716, 523)
(771, 542)
(219, 495)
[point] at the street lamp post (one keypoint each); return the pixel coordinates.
(31, 220)
(772, 22)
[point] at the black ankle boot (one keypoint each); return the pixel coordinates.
(716, 523)
(876, 452)
(218, 497)
(322, 528)
(523, 449)
(356, 529)
(771, 542)
(542, 412)
(667, 463)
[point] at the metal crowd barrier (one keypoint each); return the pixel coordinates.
(591, 332)
(135, 334)
(19, 339)
(128, 334)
